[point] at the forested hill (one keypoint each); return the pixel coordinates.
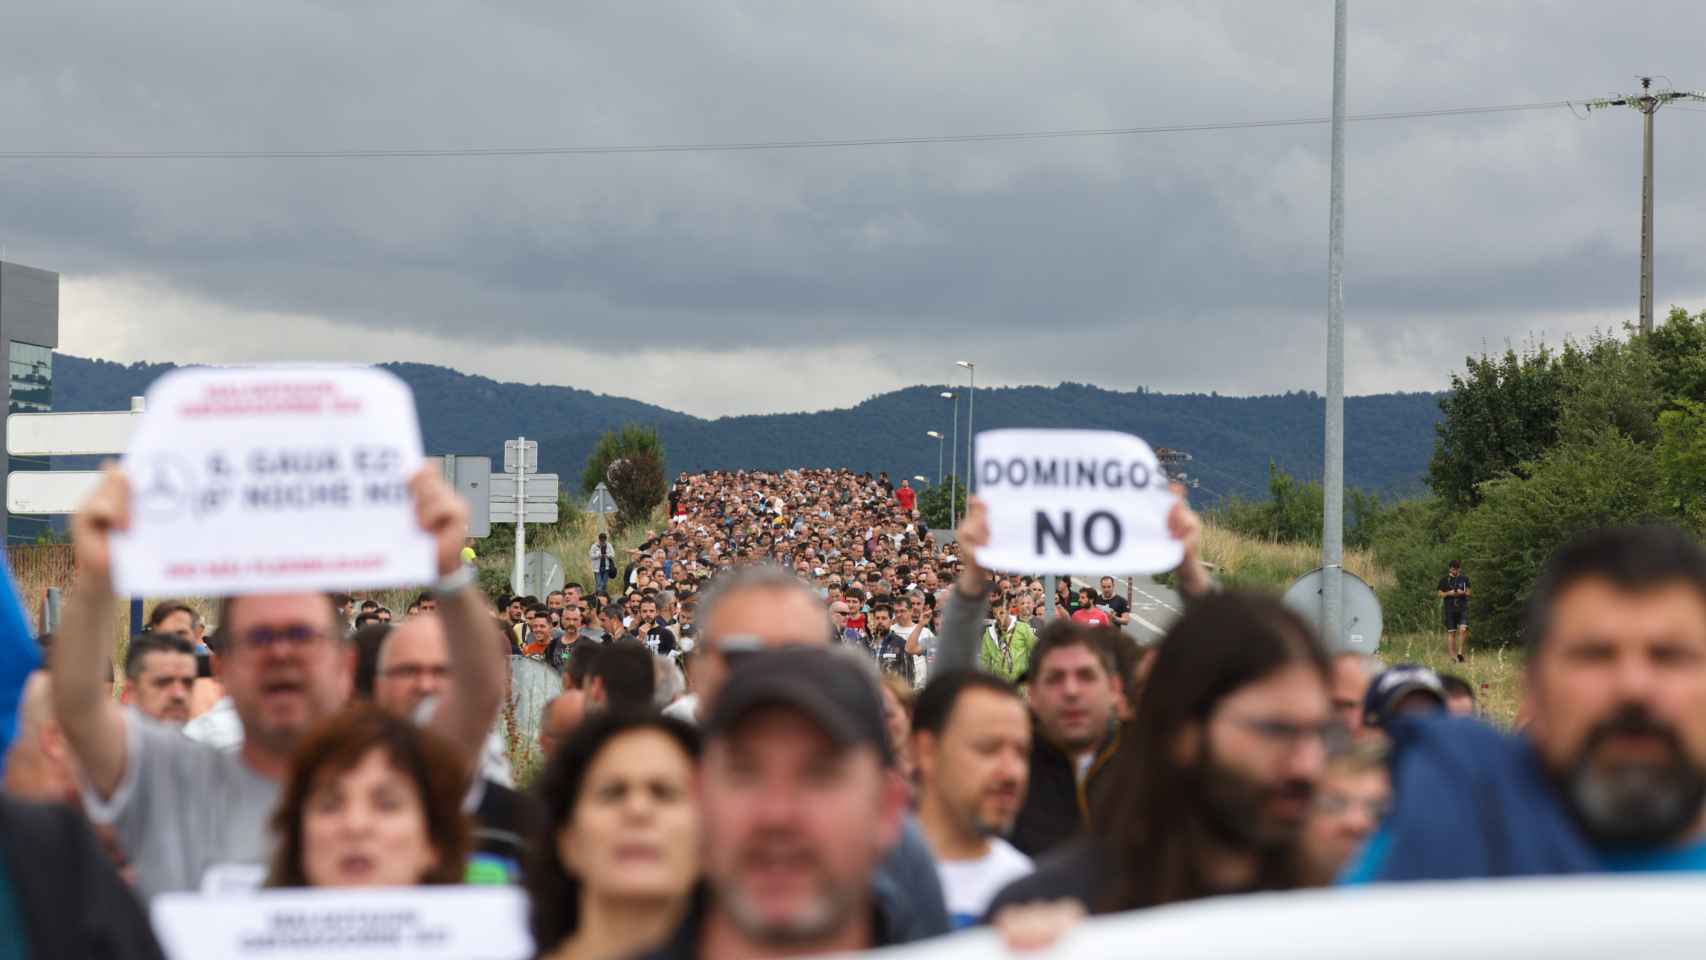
(1388, 437)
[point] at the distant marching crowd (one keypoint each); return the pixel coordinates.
(793, 722)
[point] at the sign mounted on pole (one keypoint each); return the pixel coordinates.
(601, 502)
(541, 573)
(521, 456)
(1081, 501)
(470, 477)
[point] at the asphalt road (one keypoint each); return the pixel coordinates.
(1153, 607)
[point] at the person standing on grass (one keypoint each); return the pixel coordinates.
(1454, 590)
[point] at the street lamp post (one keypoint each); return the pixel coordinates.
(954, 473)
(971, 400)
(936, 435)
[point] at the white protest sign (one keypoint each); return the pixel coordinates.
(1075, 501)
(418, 923)
(251, 480)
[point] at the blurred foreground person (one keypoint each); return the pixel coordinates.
(1610, 772)
(190, 815)
(800, 807)
(1354, 795)
(612, 871)
(1230, 742)
(971, 741)
(371, 800)
(39, 765)
(60, 896)
(761, 608)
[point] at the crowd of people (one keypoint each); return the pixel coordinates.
(795, 720)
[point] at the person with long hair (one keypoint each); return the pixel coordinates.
(1230, 741)
(370, 799)
(616, 860)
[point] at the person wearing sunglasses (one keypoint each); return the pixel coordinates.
(193, 816)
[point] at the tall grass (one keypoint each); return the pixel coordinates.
(1254, 563)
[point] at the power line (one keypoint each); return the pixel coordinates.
(430, 153)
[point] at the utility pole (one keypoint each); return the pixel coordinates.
(1333, 476)
(954, 472)
(1647, 102)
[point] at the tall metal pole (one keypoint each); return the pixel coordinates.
(1333, 479)
(519, 575)
(1647, 111)
(971, 431)
(1648, 102)
(954, 474)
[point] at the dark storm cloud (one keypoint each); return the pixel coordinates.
(1203, 252)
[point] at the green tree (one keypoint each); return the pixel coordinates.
(1501, 413)
(1681, 456)
(933, 502)
(1609, 382)
(1526, 514)
(1678, 348)
(636, 482)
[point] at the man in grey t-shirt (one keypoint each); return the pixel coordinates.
(189, 815)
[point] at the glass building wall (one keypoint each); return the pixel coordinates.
(30, 370)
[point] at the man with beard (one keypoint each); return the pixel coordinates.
(1610, 773)
(799, 810)
(971, 741)
(1228, 745)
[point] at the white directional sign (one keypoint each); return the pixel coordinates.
(43, 491)
(504, 512)
(69, 434)
(541, 488)
(521, 456)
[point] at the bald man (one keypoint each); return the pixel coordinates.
(413, 668)
(39, 765)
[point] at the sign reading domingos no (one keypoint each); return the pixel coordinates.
(1074, 501)
(280, 478)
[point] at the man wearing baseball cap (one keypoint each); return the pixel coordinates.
(799, 811)
(1407, 688)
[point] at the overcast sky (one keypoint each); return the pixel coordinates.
(762, 281)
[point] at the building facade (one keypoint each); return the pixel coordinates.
(29, 329)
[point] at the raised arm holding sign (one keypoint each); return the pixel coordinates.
(188, 814)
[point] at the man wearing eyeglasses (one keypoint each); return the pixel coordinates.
(190, 815)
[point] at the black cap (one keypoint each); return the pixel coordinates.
(1391, 687)
(816, 681)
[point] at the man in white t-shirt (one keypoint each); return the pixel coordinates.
(909, 623)
(971, 743)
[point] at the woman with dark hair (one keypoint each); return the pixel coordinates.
(371, 800)
(1229, 742)
(615, 862)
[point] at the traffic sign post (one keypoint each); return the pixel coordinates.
(471, 478)
(522, 495)
(601, 503)
(542, 573)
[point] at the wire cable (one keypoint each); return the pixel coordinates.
(429, 153)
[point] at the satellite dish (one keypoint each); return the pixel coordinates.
(1361, 621)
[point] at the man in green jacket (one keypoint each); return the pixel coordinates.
(1007, 644)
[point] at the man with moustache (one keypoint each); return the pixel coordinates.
(1610, 774)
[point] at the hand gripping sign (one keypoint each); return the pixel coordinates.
(272, 479)
(1076, 501)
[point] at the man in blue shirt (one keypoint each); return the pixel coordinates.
(1610, 773)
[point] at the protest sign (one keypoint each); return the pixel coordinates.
(1074, 501)
(273, 479)
(419, 923)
